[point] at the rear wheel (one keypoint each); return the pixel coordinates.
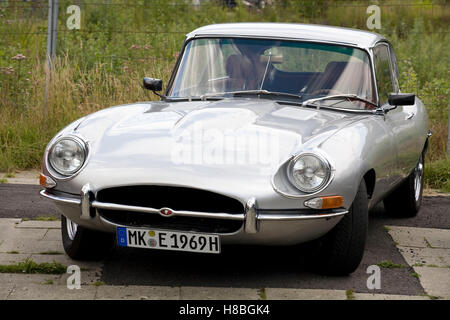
(406, 200)
(81, 243)
(341, 250)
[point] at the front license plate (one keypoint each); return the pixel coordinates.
(168, 240)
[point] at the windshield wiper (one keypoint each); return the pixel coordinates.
(254, 92)
(312, 102)
(195, 98)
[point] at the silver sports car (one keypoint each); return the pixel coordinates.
(269, 134)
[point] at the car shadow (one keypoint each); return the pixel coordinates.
(261, 267)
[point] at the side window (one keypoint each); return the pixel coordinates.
(383, 72)
(395, 74)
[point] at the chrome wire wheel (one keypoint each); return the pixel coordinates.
(418, 179)
(71, 229)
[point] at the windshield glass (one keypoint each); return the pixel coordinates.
(218, 65)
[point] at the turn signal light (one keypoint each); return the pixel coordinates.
(46, 182)
(330, 202)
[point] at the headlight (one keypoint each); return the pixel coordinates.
(309, 172)
(67, 155)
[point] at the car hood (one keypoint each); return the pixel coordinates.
(170, 142)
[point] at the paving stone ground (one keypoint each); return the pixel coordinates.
(426, 250)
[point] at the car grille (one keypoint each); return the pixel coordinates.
(175, 198)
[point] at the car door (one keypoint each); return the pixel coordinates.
(411, 147)
(396, 119)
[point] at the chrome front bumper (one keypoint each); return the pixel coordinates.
(251, 217)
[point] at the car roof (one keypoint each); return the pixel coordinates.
(308, 32)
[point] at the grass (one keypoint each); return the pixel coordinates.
(437, 174)
(431, 297)
(13, 252)
(390, 265)
(427, 243)
(98, 283)
(350, 294)
(262, 294)
(431, 265)
(51, 253)
(102, 65)
(3, 180)
(29, 266)
(41, 218)
(415, 275)
(48, 282)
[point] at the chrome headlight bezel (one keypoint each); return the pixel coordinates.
(67, 174)
(326, 164)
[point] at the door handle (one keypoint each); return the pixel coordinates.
(410, 115)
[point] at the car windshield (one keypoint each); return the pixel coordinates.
(218, 66)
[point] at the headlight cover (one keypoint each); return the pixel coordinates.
(309, 172)
(67, 155)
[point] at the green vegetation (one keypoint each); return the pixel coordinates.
(10, 175)
(48, 282)
(262, 294)
(51, 253)
(121, 41)
(350, 294)
(390, 264)
(415, 275)
(433, 297)
(29, 266)
(431, 265)
(427, 242)
(13, 252)
(98, 283)
(437, 174)
(50, 218)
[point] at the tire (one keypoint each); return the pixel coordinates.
(340, 251)
(84, 244)
(406, 200)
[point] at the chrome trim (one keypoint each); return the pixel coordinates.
(49, 182)
(291, 217)
(76, 137)
(85, 202)
(410, 116)
(290, 169)
(53, 197)
(318, 153)
(261, 37)
(251, 216)
(122, 207)
(72, 228)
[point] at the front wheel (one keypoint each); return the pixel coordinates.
(81, 243)
(341, 250)
(406, 200)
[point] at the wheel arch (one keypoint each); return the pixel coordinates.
(370, 178)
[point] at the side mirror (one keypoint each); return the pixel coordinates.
(402, 99)
(152, 84)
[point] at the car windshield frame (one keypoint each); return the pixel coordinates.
(368, 59)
